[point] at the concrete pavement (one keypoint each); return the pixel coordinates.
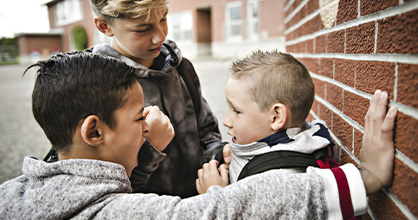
(20, 135)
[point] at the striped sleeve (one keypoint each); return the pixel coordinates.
(345, 194)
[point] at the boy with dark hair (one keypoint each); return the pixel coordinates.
(98, 145)
(138, 30)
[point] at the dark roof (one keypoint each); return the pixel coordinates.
(52, 2)
(33, 34)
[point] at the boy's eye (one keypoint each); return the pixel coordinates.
(141, 31)
(141, 118)
(236, 111)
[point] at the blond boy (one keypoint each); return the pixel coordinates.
(269, 96)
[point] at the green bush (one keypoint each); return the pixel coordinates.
(80, 38)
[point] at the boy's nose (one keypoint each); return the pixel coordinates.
(227, 122)
(159, 36)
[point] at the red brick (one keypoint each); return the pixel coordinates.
(287, 25)
(310, 63)
(373, 75)
(343, 131)
(290, 36)
(406, 137)
(321, 44)
(408, 85)
(309, 118)
(405, 178)
(358, 137)
(312, 6)
(291, 48)
(347, 10)
(355, 107)
(326, 67)
(334, 95)
(296, 18)
(298, 32)
(383, 207)
(335, 42)
(315, 107)
(290, 10)
(346, 158)
(360, 39)
(312, 25)
(299, 47)
(309, 46)
(326, 115)
(398, 34)
(370, 6)
(319, 88)
(345, 71)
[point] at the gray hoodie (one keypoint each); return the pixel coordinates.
(91, 189)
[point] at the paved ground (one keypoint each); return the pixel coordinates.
(20, 135)
(213, 76)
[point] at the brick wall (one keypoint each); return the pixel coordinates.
(352, 48)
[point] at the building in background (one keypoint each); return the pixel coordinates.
(37, 46)
(66, 16)
(351, 48)
(226, 28)
(68, 19)
(217, 28)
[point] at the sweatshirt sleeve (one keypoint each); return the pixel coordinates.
(150, 159)
(344, 193)
(270, 195)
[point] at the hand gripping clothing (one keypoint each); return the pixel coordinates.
(197, 138)
(91, 189)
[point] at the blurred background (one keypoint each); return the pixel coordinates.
(351, 48)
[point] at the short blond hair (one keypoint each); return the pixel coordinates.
(125, 9)
(276, 77)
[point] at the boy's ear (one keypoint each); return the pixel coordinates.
(102, 26)
(280, 116)
(91, 130)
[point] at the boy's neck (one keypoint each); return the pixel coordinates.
(146, 63)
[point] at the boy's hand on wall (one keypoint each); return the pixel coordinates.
(161, 130)
(377, 152)
(209, 176)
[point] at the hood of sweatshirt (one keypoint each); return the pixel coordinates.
(170, 56)
(62, 189)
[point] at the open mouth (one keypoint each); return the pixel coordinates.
(234, 140)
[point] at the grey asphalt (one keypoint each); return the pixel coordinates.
(20, 135)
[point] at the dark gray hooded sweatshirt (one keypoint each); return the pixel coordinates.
(197, 138)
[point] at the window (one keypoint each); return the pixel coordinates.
(180, 26)
(233, 21)
(252, 17)
(68, 11)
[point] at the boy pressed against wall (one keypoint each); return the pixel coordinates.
(138, 30)
(91, 109)
(269, 95)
